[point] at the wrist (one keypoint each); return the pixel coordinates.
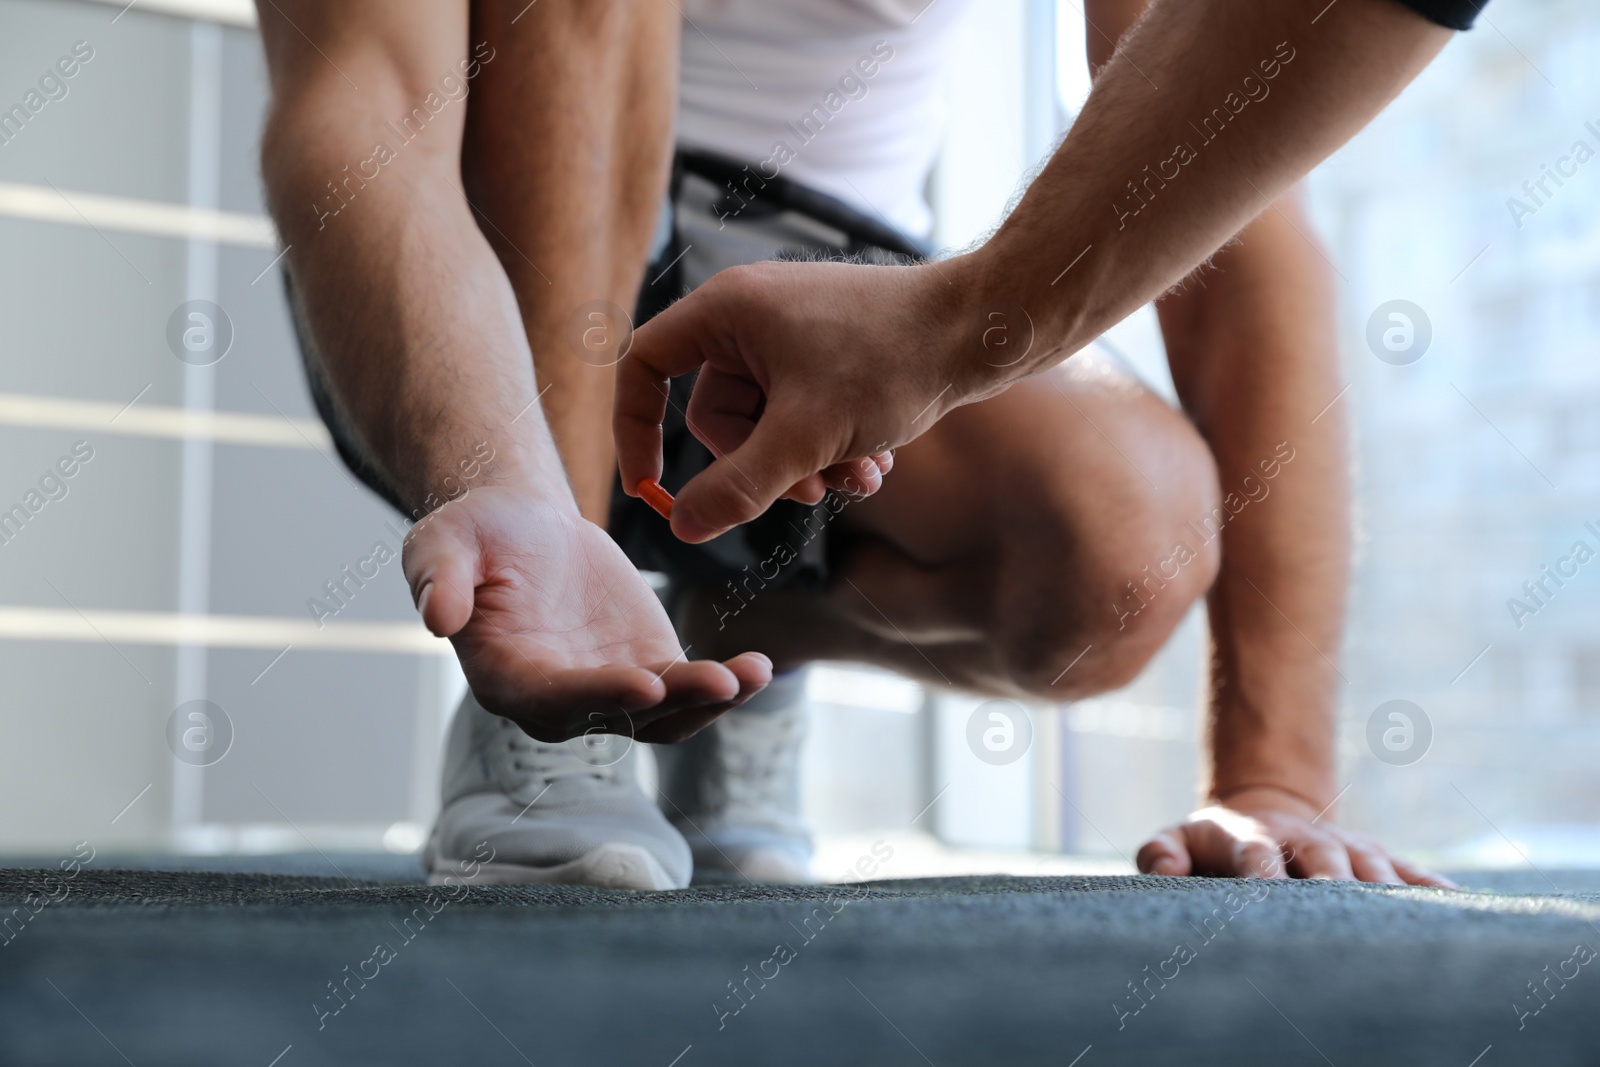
(990, 333)
(1032, 311)
(484, 464)
(1273, 729)
(1277, 796)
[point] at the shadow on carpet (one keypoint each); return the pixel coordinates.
(275, 966)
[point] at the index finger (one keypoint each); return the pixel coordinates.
(669, 346)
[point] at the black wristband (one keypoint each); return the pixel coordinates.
(1455, 14)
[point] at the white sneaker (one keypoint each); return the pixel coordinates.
(571, 813)
(733, 789)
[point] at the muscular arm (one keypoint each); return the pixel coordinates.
(1074, 254)
(1250, 340)
(1251, 346)
(1253, 354)
(1221, 142)
(430, 348)
(567, 152)
(413, 323)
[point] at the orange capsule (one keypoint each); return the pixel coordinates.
(651, 492)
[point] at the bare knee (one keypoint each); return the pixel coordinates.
(1131, 554)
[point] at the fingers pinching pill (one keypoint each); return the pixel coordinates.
(651, 493)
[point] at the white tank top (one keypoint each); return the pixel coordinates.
(845, 96)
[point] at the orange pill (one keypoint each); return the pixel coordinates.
(651, 492)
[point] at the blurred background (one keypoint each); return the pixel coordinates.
(159, 600)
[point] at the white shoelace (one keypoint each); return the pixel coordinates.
(548, 763)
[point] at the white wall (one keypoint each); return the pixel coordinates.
(178, 565)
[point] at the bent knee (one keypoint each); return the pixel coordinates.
(1109, 636)
(1129, 563)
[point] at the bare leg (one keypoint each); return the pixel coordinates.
(1002, 545)
(580, 97)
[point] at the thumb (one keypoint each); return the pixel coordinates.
(741, 485)
(440, 560)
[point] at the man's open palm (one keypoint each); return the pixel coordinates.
(554, 627)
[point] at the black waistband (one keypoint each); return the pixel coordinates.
(778, 193)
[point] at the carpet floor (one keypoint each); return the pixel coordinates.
(263, 962)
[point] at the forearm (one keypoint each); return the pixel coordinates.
(567, 151)
(412, 322)
(1149, 181)
(415, 331)
(1252, 349)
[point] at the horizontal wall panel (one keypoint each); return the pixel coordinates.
(107, 538)
(244, 105)
(284, 523)
(84, 734)
(85, 313)
(262, 373)
(319, 738)
(121, 129)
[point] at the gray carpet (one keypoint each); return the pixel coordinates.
(230, 963)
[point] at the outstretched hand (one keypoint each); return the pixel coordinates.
(555, 629)
(1269, 833)
(809, 374)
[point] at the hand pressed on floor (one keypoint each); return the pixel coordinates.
(1269, 833)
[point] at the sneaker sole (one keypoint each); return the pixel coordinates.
(609, 867)
(762, 866)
